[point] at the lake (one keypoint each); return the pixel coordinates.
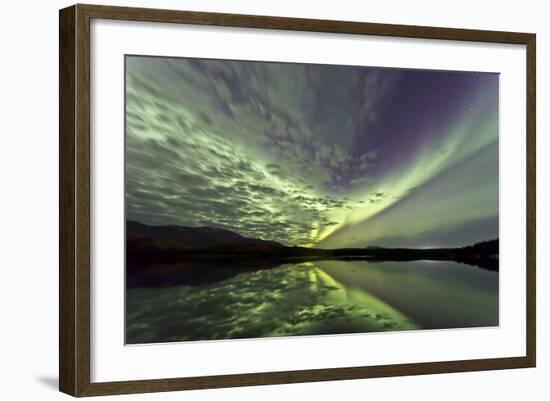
(313, 298)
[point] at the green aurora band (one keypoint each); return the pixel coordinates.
(311, 155)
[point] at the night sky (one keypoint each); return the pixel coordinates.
(313, 155)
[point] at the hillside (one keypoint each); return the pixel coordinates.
(189, 237)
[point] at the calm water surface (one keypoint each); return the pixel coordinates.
(325, 297)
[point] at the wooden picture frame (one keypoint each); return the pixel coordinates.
(74, 204)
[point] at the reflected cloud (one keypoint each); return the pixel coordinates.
(289, 300)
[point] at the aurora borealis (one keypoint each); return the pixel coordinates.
(313, 155)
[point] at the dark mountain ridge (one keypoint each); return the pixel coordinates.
(190, 237)
(155, 244)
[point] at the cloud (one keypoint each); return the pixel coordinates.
(204, 141)
(203, 180)
(277, 108)
(286, 152)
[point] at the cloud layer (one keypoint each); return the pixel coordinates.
(303, 154)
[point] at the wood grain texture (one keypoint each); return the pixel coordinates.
(301, 376)
(74, 199)
(67, 100)
(74, 206)
(531, 241)
(300, 24)
(82, 192)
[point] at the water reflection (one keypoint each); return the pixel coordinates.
(324, 297)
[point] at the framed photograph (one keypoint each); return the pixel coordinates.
(250, 200)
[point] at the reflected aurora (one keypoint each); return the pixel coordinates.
(288, 300)
(317, 298)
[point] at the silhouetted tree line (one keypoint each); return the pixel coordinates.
(490, 247)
